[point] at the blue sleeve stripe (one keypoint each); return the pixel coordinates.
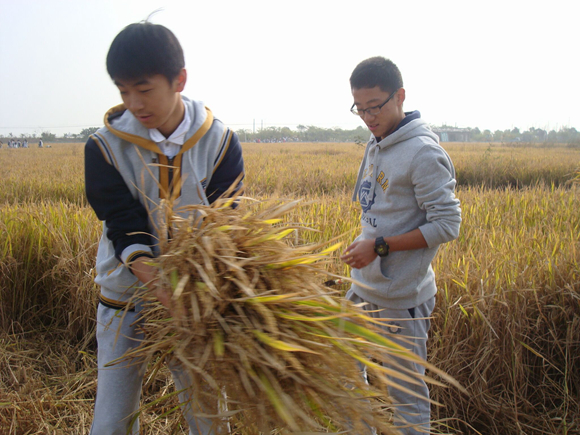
(221, 142)
(105, 149)
(223, 151)
(111, 151)
(135, 255)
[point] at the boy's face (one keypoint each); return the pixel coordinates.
(155, 101)
(389, 116)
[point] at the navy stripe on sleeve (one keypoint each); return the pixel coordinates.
(224, 144)
(230, 167)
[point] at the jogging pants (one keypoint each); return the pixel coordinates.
(119, 385)
(411, 414)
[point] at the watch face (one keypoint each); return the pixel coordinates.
(381, 249)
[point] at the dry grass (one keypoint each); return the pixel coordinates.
(43, 174)
(498, 166)
(44, 389)
(507, 323)
(506, 319)
(291, 170)
(47, 386)
(47, 252)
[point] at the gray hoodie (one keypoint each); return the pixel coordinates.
(405, 182)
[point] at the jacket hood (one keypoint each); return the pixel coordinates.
(414, 128)
(121, 122)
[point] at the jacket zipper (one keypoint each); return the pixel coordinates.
(170, 190)
(170, 175)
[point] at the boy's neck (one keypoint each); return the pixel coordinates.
(174, 120)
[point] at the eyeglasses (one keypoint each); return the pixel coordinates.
(373, 111)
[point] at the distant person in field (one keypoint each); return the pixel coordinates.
(40, 143)
(405, 187)
(155, 129)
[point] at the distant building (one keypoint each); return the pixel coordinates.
(452, 134)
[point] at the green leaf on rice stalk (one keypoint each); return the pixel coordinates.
(281, 345)
(270, 236)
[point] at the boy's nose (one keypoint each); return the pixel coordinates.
(133, 103)
(367, 115)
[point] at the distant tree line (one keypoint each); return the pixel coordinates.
(303, 133)
(47, 136)
(565, 135)
(311, 133)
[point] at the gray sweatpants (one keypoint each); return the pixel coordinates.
(119, 386)
(413, 325)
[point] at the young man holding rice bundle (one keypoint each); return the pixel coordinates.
(405, 186)
(156, 145)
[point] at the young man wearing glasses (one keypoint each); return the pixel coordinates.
(405, 187)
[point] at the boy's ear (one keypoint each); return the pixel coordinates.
(180, 80)
(400, 96)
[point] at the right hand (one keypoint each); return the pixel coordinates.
(147, 274)
(163, 295)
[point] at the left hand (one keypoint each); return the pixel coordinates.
(359, 254)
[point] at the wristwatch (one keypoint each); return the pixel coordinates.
(381, 247)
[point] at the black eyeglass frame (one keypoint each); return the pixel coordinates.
(361, 112)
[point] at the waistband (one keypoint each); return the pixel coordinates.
(114, 304)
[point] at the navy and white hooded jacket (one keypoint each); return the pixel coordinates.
(127, 175)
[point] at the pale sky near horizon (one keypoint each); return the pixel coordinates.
(492, 65)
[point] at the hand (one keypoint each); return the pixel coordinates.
(359, 254)
(163, 295)
(148, 275)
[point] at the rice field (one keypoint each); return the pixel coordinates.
(506, 324)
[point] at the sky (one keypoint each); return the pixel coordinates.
(486, 64)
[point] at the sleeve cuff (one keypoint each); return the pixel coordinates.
(132, 252)
(430, 235)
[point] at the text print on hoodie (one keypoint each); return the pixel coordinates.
(406, 181)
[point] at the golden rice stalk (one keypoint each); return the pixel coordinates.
(254, 326)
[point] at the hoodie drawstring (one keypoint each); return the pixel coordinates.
(361, 171)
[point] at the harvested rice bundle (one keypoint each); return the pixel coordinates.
(256, 328)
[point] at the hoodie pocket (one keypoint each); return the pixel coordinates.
(373, 276)
(405, 269)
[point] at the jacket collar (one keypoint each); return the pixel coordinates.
(121, 122)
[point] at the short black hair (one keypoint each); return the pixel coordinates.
(376, 71)
(143, 50)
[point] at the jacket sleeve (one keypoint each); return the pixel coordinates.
(229, 165)
(113, 203)
(433, 178)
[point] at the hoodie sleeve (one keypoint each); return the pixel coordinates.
(433, 178)
(228, 166)
(113, 203)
